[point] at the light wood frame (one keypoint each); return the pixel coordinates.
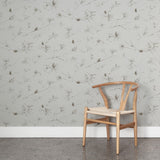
(118, 113)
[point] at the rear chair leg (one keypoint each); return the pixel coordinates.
(107, 127)
(135, 118)
(117, 131)
(135, 129)
(85, 125)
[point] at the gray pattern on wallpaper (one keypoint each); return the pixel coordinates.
(53, 51)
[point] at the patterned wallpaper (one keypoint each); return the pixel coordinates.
(53, 51)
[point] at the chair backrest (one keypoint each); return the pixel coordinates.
(132, 87)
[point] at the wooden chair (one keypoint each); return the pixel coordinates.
(107, 112)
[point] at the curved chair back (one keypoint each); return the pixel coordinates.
(132, 87)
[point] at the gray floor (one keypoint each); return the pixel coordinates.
(71, 149)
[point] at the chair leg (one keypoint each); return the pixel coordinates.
(85, 125)
(108, 130)
(117, 131)
(135, 129)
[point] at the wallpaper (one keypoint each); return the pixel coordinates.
(53, 51)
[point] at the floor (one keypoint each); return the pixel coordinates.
(71, 149)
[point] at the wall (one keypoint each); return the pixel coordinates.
(52, 52)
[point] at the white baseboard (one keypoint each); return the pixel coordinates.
(60, 132)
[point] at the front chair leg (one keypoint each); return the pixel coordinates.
(85, 125)
(107, 127)
(117, 131)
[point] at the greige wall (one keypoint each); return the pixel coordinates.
(51, 52)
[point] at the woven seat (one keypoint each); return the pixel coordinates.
(107, 112)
